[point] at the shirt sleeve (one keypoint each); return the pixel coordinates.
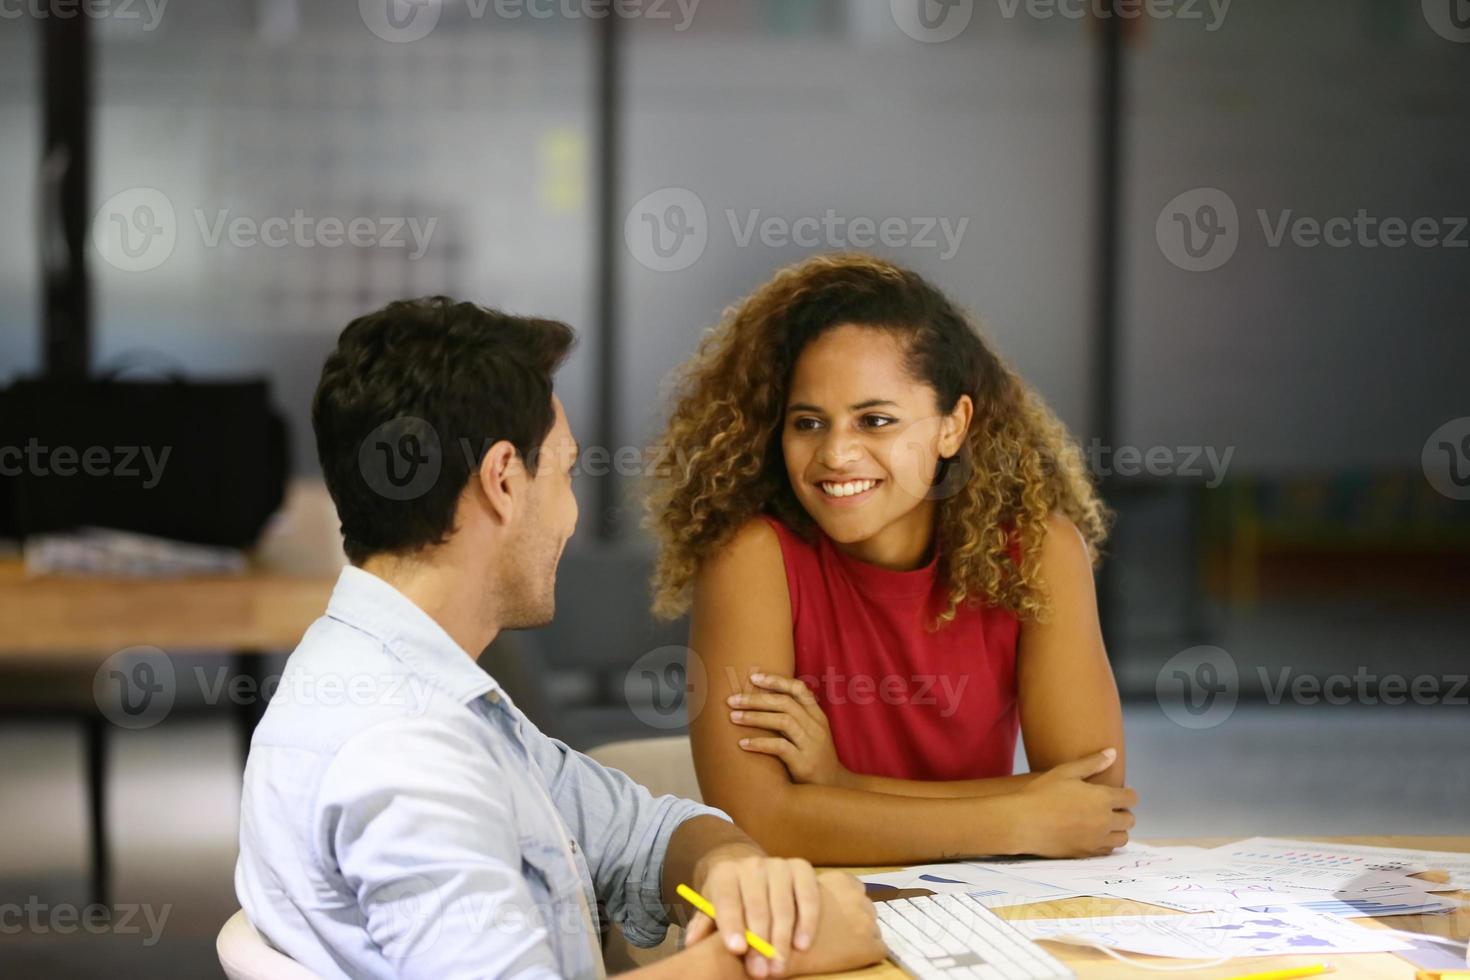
(623, 829)
(412, 816)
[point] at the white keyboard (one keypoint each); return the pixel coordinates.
(955, 936)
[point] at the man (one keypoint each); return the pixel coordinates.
(401, 817)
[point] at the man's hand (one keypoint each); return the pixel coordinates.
(819, 922)
(778, 899)
(847, 935)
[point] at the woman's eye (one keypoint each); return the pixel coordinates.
(806, 424)
(877, 421)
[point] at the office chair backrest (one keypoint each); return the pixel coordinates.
(661, 765)
(244, 955)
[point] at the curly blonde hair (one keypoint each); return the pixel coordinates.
(1018, 464)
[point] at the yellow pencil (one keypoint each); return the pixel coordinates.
(1288, 974)
(700, 902)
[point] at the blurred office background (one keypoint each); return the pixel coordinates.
(1283, 429)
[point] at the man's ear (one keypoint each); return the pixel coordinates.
(955, 426)
(502, 478)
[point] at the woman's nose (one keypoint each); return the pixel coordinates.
(839, 450)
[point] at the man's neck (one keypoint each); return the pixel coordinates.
(454, 598)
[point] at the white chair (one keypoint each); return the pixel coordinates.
(246, 956)
(662, 766)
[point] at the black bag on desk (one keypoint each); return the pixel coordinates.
(201, 462)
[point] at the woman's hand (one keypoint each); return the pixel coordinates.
(1066, 816)
(802, 739)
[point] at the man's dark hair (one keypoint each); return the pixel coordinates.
(409, 402)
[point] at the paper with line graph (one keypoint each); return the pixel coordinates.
(1208, 935)
(1366, 908)
(1203, 891)
(1310, 857)
(1191, 879)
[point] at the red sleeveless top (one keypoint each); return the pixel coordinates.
(902, 701)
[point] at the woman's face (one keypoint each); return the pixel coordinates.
(862, 437)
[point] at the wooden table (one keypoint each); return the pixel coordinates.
(77, 622)
(56, 618)
(1088, 963)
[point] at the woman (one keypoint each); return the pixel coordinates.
(887, 540)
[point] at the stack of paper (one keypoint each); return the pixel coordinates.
(1265, 895)
(1255, 873)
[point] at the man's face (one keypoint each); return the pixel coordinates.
(542, 530)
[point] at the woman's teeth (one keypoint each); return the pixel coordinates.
(847, 489)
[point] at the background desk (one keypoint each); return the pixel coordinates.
(1089, 963)
(73, 622)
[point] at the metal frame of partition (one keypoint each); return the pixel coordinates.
(607, 79)
(65, 172)
(1107, 268)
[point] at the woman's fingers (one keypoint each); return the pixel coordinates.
(775, 721)
(781, 748)
(768, 702)
(802, 707)
(786, 685)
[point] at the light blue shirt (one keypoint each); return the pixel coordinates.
(402, 818)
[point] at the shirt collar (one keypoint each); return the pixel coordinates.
(366, 603)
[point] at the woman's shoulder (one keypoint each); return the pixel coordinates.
(755, 548)
(748, 570)
(762, 549)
